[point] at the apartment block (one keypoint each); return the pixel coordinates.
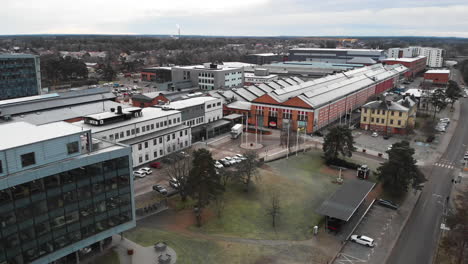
(20, 75)
(61, 190)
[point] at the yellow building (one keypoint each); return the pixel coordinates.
(389, 117)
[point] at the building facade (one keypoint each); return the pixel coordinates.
(389, 117)
(435, 56)
(263, 58)
(157, 74)
(415, 65)
(437, 77)
(210, 76)
(151, 132)
(334, 55)
(315, 104)
(20, 76)
(61, 190)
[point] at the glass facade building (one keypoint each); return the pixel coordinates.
(19, 76)
(60, 194)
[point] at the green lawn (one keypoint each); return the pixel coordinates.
(302, 189)
(109, 258)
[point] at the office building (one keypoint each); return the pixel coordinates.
(335, 55)
(259, 76)
(151, 132)
(210, 76)
(61, 190)
(263, 58)
(308, 69)
(199, 113)
(157, 74)
(20, 76)
(389, 117)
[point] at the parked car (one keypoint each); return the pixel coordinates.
(218, 165)
(387, 203)
(225, 162)
(241, 157)
(375, 134)
(147, 170)
(160, 189)
(139, 174)
(440, 128)
(386, 136)
(445, 120)
(156, 165)
(363, 240)
(174, 183)
(390, 147)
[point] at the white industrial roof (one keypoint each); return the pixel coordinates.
(149, 113)
(181, 104)
(439, 71)
(16, 134)
(240, 105)
(328, 49)
(404, 59)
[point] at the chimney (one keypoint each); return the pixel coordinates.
(119, 110)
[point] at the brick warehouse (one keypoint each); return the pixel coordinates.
(437, 77)
(414, 65)
(315, 104)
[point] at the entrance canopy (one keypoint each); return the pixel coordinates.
(346, 200)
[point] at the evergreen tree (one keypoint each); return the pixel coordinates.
(400, 170)
(339, 140)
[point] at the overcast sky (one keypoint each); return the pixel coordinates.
(237, 17)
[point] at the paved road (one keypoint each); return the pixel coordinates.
(418, 241)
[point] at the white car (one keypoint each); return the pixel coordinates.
(240, 156)
(445, 120)
(363, 240)
(389, 147)
(218, 165)
(375, 134)
(146, 170)
(139, 174)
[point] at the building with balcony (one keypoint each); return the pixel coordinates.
(389, 117)
(20, 75)
(61, 190)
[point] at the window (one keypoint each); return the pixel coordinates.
(170, 122)
(140, 159)
(111, 137)
(181, 133)
(400, 114)
(154, 142)
(133, 131)
(160, 140)
(157, 125)
(364, 119)
(186, 131)
(178, 120)
(377, 120)
(137, 130)
(383, 121)
(143, 129)
(165, 123)
(122, 134)
(372, 119)
(147, 127)
(146, 157)
(28, 159)
(365, 110)
(399, 122)
(128, 133)
(209, 106)
(152, 126)
(391, 113)
(72, 147)
(146, 144)
(373, 111)
(160, 152)
(173, 136)
(378, 111)
(168, 137)
(139, 146)
(218, 104)
(116, 135)
(391, 121)
(155, 154)
(1, 168)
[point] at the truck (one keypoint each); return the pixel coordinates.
(236, 130)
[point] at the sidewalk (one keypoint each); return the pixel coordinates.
(140, 254)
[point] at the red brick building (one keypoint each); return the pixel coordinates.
(414, 65)
(147, 100)
(438, 77)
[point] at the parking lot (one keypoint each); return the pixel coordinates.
(378, 225)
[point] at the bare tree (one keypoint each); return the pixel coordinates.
(249, 168)
(274, 209)
(226, 176)
(179, 170)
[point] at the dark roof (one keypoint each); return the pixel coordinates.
(345, 201)
(141, 98)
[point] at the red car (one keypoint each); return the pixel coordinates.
(156, 165)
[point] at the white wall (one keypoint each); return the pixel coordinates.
(213, 110)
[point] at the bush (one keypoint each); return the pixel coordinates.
(342, 163)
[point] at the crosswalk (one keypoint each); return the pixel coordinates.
(445, 164)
